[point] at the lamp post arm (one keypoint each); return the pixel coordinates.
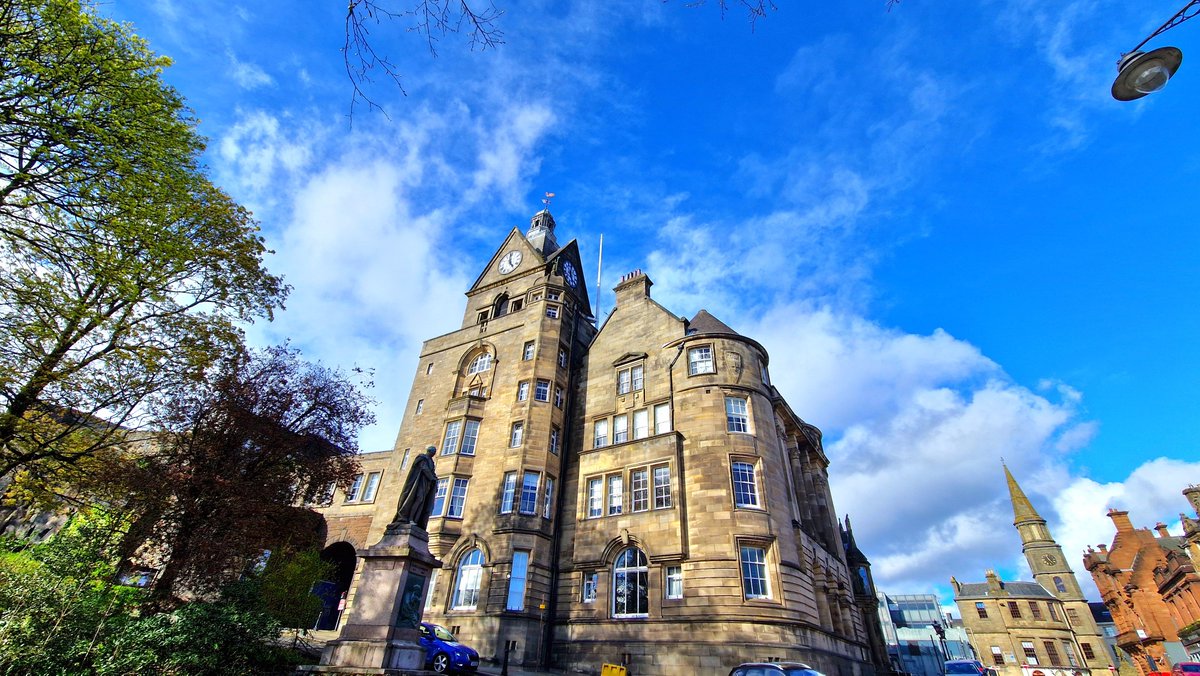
(1189, 10)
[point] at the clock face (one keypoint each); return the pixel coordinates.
(509, 262)
(1049, 559)
(569, 274)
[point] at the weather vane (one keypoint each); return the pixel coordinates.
(546, 200)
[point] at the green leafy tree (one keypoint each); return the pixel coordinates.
(286, 588)
(123, 270)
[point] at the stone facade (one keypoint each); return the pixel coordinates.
(1149, 584)
(1021, 629)
(1039, 628)
(635, 494)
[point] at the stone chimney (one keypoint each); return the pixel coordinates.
(1161, 528)
(994, 583)
(1121, 520)
(632, 286)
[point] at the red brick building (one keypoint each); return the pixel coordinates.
(1150, 586)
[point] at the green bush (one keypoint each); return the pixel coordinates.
(60, 613)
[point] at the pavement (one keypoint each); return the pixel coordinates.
(490, 670)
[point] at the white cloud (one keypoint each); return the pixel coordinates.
(370, 230)
(247, 75)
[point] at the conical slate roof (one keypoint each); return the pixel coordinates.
(703, 322)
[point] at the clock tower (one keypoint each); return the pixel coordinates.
(1051, 571)
(1045, 556)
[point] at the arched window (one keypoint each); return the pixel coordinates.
(631, 595)
(1058, 584)
(480, 364)
(466, 589)
(500, 307)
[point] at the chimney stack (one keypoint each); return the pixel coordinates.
(1121, 520)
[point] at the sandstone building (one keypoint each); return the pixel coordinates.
(1150, 585)
(633, 493)
(1039, 628)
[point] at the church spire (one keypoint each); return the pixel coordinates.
(1022, 509)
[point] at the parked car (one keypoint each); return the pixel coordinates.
(774, 669)
(443, 652)
(1185, 668)
(971, 667)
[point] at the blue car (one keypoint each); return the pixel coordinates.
(443, 653)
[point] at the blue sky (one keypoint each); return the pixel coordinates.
(955, 245)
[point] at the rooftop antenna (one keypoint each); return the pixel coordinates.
(599, 267)
(546, 200)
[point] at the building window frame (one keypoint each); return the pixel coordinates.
(620, 428)
(639, 489)
(754, 563)
(981, 609)
(558, 396)
(420, 406)
(662, 486)
(458, 498)
(528, 350)
(555, 439)
(701, 360)
(737, 414)
(480, 363)
(662, 418)
(541, 390)
(641, 423)
(547, 496)
(468, 581)
(523, 390)
(595, 497)
(529, 492)
(600, 433)
(997, 656)
(516, 435)
(552, 311)
(1014, 610)
(673, 582)
(508, 492)
(631, 585)
(517, 581)
(439, 496)
(1030, 653)
(615, 495)
(591, 581)
(743, 474)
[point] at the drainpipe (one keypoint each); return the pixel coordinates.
(683, 533)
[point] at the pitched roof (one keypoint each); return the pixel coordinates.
(703, 322)
(1011, 589)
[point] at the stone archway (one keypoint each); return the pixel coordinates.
(333, 590)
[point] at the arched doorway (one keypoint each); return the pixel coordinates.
(333, 590)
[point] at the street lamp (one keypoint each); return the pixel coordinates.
(1141, 73)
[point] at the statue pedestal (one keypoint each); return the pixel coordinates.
(382, 634)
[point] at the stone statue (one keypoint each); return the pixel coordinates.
(416, 500)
